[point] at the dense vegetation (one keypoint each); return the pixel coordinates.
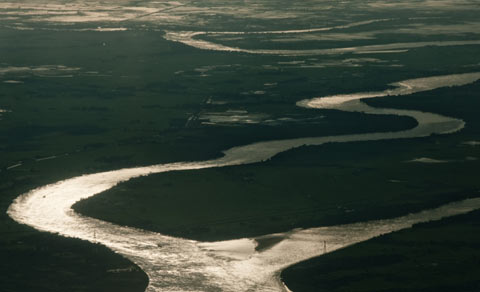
(125, 98)
(436, 256)
(309, 186)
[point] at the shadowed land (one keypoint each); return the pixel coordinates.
(309, 186)
(436, 256)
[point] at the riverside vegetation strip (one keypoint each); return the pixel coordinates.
(436, 256)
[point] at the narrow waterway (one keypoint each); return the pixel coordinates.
(193, 39)
(176, 264)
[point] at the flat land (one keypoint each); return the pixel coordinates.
(82, 102)
(309, 186)
(436, 256)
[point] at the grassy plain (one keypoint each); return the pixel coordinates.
(127, 104)
(309, 186)
(34, 261)
(436, 256)
(124, 106)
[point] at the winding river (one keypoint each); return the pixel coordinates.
(191, 38)
(176, 264)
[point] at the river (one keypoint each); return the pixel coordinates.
(177, 264)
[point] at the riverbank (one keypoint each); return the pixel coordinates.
(436, 256)
(309, 186)
(49, 208)
(34, 261)
(112, 98)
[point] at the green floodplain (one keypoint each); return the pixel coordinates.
(436, 256)
(131, 101)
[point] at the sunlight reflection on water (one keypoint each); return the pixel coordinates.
(176, 264)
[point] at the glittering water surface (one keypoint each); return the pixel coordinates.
(176, 264)
(191, 38)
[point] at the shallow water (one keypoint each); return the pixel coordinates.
(191, 38)
(176, 264)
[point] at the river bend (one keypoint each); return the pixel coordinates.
(177, 264)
